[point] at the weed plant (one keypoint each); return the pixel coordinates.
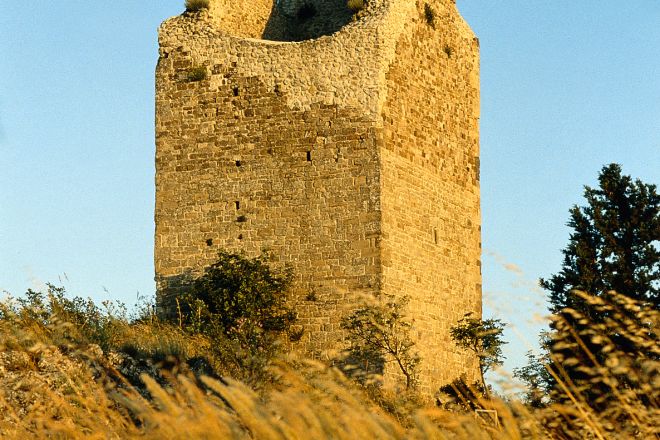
(429, 15)
(355, 5)
(196, 5)
(195, 74)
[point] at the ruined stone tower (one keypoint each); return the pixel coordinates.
(346, 145)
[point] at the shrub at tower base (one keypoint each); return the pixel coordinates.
(241, 304)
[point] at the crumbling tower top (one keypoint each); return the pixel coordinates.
(285, 20)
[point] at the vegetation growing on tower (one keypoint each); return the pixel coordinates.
(196, 5)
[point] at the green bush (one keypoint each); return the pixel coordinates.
(196, 5)
(240, 303)
(197, 73)
(241, 296)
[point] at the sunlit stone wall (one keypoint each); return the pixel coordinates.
(352, 156)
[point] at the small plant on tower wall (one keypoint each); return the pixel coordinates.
(196, 5)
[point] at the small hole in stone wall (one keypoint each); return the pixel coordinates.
(238, 204)
(209, 242)
(309, 156)
(435, 236)
(241, 219)
(240, 236)
(277, 90)
(235, 91)
(238, 163)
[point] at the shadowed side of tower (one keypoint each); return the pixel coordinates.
(431, 223)
(351, 156)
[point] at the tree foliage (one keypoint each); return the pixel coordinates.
(537, 378)
(613, 248)
(482, 337)
(614, 244)
(608, 364)
(241, 303)
(379, 332)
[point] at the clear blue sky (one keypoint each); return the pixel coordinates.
(566, 87)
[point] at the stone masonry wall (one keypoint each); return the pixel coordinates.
(353, 157)
(430, 184)
(243, 166)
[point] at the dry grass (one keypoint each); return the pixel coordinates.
(56, 386)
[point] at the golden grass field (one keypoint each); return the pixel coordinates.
(55, 384)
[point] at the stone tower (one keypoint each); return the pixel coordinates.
(347, 145)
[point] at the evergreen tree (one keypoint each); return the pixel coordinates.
(613, 246)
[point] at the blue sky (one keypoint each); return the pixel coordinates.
(566, 87)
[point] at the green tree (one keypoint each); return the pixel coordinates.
(613, 246)
(379, 332)
(483, 338)
(537, 378)
(241, 303)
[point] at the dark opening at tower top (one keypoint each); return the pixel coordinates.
(282, 20)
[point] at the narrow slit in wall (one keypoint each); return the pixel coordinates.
(309, 156)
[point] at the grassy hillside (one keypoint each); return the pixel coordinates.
(70, 369)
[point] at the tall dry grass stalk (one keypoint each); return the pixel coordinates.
(51, 388)
(605, 365)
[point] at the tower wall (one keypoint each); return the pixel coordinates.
(269, 152)
(353, 157)
(431, 243)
